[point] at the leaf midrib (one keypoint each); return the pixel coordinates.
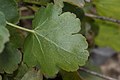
(56, 44)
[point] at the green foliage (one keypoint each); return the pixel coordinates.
(109, 35)
(71, 75)
(16, 37)
(52, 45)
(22, 70)
(9, 8)
(79, 3)
(109, 8)
(4, 34)
(9, 59)
(9, 12)
(33, 75)
(39, 2)
(73, 9)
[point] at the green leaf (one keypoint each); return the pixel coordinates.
(79, 3)
(39, 2)
(109, 35)
(21, 71)
(4, 33)
(52, 45)
(9, 59)
(71, 76)
(109, 8)
(17, 37)
(9, 8)
(33, 75)
(79, 12)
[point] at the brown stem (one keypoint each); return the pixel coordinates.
(103, 18)
(97, 74)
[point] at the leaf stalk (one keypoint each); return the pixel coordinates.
(18, 27)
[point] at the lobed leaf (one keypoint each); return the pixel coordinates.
(53, 46)
(4, 33)
(9, 8)
(9, 59)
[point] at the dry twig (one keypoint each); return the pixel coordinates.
(97, 74)
(103, 18)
